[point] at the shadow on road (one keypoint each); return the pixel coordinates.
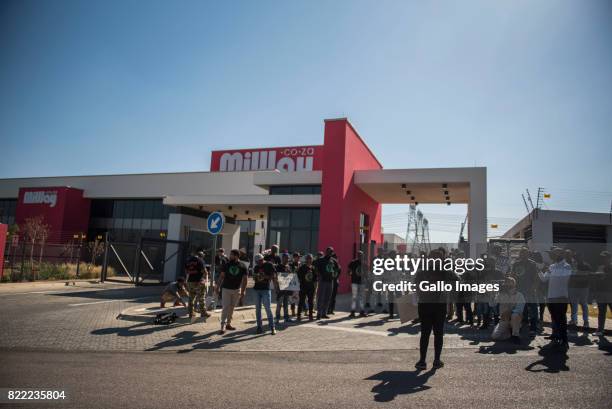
(503, 347)
(113, 294)
(394, 383)
(211, 340)
(553, 361)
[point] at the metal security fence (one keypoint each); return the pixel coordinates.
(52, 261)
(148, 262)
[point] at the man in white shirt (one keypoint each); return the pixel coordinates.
(557, 276)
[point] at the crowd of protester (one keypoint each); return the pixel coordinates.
(529, 286)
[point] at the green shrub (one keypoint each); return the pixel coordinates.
(50, 271)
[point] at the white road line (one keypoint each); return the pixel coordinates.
(358, 330)
(81, 304)
(67, 290)
(90, 303)
(105, 301)
(369, 331)
(31, 292)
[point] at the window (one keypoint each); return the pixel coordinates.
(280, 217)
(128, 219)
(293, 229)
(295, 190)
(7, 211)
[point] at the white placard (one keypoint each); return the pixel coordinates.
(288, 282)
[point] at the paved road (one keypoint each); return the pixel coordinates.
(97, 342)
(304, 380)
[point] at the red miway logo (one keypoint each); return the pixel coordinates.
(292, 159)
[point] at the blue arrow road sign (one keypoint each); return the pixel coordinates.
(215, 222)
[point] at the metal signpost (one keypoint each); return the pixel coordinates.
(214, 223)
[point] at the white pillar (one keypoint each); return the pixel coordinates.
(230, 237)
(477, 213)
(173, 265)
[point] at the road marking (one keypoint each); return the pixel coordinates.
(358, 330)
(106, 301)
(65, 290)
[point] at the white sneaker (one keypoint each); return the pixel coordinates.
(598, 334)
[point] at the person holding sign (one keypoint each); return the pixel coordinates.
(355, 271)
(327, 271)
(233, 282)
(307, 276)
(264, 275)
(283, 271)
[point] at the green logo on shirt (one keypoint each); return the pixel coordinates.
(234, 270)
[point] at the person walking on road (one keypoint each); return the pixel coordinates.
(233, 282)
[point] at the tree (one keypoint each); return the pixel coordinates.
(35, 230)
(96, 248)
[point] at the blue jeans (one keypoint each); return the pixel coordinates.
(264, 297)
(282, 299)
(579, 297)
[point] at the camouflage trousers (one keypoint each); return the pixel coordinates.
(197, 292)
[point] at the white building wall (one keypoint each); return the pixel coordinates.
(179, 226)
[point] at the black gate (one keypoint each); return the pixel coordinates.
(146, 262)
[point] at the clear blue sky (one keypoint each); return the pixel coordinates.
(522, 87)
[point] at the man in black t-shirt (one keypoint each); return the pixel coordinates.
(327, 272)
(273, 256)
(196, 274)
(233, 282)
(264, 276)
(335, 284)
(308, 279)
(355, 271)
(525, 272)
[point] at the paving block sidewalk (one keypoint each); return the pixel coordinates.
(107, 324)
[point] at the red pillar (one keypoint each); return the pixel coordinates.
(3, 232)
(342, 201)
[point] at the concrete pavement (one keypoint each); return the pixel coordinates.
(111, 317)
